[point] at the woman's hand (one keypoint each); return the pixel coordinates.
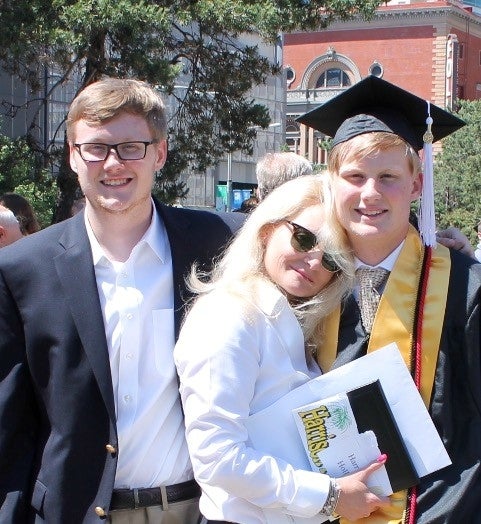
(356, 500)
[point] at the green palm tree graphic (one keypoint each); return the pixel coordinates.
(340, 417)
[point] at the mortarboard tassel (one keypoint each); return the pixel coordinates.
(427, 223)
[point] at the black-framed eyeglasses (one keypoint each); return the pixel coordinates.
(96, 152)
(303, 241)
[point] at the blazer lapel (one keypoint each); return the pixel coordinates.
(177, 226)
(352, 342)
(76, 273)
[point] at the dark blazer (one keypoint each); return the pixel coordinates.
(56, 401)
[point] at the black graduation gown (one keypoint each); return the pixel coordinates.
(453, 494)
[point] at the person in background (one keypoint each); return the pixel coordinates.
(9, 227)
(248, 205)
(477, 252)
(274, 169)
(23, 210)
(429, 297)
(92, 426)
(245, 343)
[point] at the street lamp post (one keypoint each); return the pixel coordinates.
(229, 181)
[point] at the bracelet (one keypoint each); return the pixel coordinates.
(329, 507)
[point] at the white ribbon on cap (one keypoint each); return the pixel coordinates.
(427, 222)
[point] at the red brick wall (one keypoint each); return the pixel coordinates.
(469, 69)
(405, 53)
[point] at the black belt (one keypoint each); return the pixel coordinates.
(219, 522)
(162, 496)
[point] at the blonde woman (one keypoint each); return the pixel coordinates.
(245, 343)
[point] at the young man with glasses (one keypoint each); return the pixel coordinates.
(89, 313)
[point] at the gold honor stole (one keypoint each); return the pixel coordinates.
(395, 322)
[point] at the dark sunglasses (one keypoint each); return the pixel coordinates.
(303, 241)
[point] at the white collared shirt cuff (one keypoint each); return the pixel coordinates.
(312, 487)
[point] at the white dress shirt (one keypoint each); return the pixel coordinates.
(234, 359)
(136, 298)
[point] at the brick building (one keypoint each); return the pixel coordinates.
(430, 47)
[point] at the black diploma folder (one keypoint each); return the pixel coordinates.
(372, 412)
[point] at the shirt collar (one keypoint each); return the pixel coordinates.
(155, 237)
(387, 263)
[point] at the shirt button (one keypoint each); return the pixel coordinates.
(100, 512)
(129, 356)
(127, 398)
(130, 316)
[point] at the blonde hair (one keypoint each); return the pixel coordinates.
(241, 268)
(366, 144)
(106, 99)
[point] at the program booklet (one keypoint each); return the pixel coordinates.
(409, 438)
(345, 432)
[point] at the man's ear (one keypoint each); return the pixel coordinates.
(161, 154)
(417, 187)
(73, 162)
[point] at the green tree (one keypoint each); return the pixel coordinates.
(17, 163)
(22, 172)
(162, 41)
(457, 173)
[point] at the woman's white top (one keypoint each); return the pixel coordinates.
(477, 252)
(234, 359)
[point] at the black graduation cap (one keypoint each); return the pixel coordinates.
(373, 104)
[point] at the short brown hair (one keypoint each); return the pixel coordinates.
(363, 145)
(108, 98)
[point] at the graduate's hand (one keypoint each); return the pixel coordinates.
(455, 239)
(356, 500)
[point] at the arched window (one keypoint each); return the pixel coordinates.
(333, 78)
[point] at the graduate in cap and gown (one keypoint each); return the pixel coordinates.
(429, 302)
